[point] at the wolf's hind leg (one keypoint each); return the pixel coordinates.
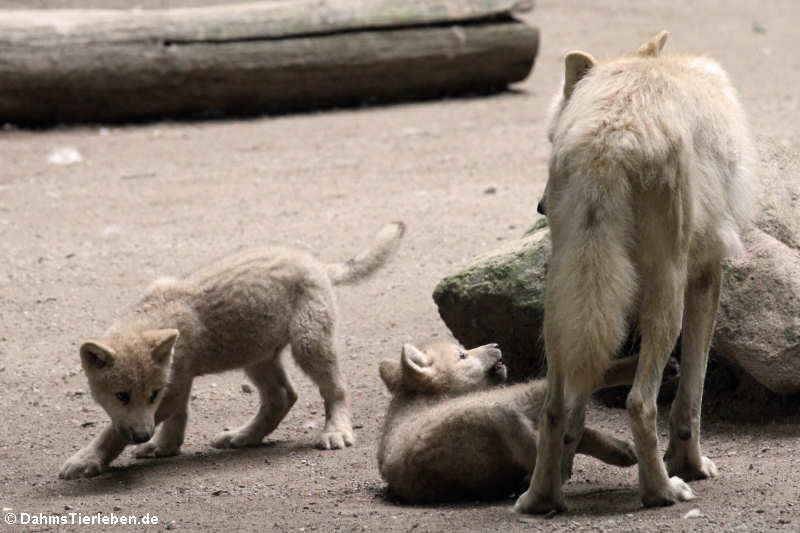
(313, 348)
(545, 493)
(277, 397)
(683, 455)
(660, 319)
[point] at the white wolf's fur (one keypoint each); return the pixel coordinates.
(239, 312)
(648, 191)
(453, 432)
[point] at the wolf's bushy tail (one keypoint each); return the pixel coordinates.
(369, 260)
(592, 281)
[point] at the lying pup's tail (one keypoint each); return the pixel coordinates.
(369, 260)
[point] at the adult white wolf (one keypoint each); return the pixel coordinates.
(647, 193)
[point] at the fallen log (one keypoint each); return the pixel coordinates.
(104, 65)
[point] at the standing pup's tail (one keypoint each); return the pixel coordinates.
(369, 260)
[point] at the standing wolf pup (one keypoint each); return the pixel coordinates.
(239, 312)
(452, 433)
(647, 193)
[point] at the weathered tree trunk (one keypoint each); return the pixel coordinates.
(95, 65)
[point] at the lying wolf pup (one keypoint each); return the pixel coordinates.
(237, 313)
(452, 433)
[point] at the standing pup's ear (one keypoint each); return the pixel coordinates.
(576, 65)
(162, 342)
(95, 354)
(653, 47)
(391, 374)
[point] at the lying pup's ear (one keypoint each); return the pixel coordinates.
(391, 374)
(653, 47)
(576, 65)
(414, 361)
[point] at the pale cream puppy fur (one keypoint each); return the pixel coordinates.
(240, 312)
(648, 191)
(453, 432)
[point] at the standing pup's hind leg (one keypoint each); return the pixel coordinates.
(277, 397)
(683, 455)
(313, 348)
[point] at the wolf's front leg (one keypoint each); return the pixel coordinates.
(173, 411)
(94, 458)
(168, 438)
(683, 456)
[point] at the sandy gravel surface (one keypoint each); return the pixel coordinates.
(81, 241)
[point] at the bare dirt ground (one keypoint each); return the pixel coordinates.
(81, 241)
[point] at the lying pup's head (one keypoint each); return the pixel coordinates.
(444, 368)
(127, 377)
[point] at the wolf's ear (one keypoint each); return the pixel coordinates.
(162, 342)
(414, 360)
(391, 374)
(576, 65)
(95, 354)
(653, 47)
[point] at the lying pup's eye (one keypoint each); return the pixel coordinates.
(154, 395)
(462, 355)
(124, 397)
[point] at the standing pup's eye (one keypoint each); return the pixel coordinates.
(462, 355)
(124, 397)
(154, 395)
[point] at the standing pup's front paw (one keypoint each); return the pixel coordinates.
(82, 464)
(153, 449)
(234, 439)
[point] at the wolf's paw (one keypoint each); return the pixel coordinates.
(81, 464)
(152, 449)
(234, 439)
(676, 490)
(706, 469)
(530, 503)
(335, 440)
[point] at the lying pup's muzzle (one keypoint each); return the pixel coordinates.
(499, 371)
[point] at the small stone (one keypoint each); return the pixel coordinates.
(694, 513)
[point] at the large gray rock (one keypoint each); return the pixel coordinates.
(499, 298)
(758, 326)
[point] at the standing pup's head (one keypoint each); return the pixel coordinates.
(444, 368)
(127, 376)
